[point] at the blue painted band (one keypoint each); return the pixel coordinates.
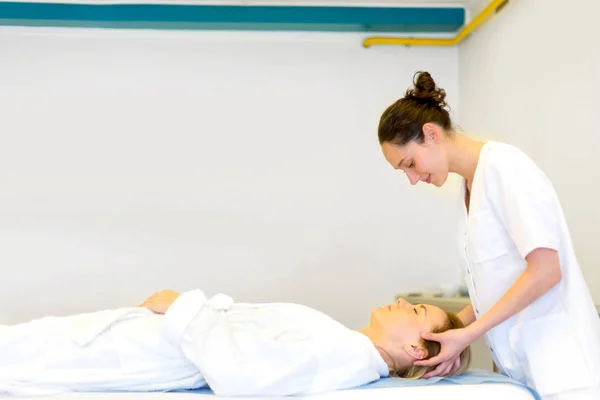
(413, 19)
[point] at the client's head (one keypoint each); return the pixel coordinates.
(396, 329)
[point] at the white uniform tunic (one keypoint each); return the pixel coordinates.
(554, 344)
(237, 349)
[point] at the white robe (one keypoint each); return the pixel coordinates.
(235, 349)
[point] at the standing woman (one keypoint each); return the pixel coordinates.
(528, 295)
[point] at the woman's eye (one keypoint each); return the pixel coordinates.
(412, 164)
(415, 310)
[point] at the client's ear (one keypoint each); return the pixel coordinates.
(416, 351)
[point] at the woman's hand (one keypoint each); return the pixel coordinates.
(452, 342)
(445, 368)
(161, 301)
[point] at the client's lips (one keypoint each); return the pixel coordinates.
(428, 180)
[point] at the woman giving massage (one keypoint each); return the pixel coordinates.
(178, 341)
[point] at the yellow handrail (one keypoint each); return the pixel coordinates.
(491, 8)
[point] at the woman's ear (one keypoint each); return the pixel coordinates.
(416, 351)
(431, 133)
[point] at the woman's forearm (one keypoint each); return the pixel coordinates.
(466, 315)
(542, 273)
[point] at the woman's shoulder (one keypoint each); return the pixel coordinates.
(504, 152)
(508, 166)
(504, 158)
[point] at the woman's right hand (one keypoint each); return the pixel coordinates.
(161, 301)
(452, 343)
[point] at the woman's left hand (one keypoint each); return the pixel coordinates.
(452, 342)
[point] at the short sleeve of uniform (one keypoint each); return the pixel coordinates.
(524, 200)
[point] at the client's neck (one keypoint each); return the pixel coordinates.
(374, 337)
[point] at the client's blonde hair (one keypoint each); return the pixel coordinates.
(433, 349)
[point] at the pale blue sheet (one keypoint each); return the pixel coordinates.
(473, 377)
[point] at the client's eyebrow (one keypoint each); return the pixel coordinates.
(424, 309)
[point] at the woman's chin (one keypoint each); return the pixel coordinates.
(439, 182)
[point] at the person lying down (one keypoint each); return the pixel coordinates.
(176, 341)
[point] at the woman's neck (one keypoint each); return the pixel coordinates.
(463, 155)
(372, 335)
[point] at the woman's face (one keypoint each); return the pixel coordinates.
(426, 162)
(398, 329)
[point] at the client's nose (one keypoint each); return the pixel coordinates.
(403, 303)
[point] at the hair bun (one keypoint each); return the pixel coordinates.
(426, 89)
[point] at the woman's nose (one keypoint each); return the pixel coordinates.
(413, 177)
(403, 303)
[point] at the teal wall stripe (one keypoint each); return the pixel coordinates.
(370, 19)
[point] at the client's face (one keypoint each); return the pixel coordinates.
(396, 329)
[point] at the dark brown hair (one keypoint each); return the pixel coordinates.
(433, 349)
(403, 121)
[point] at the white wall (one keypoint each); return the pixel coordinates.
(530, 78)
(244, 163)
